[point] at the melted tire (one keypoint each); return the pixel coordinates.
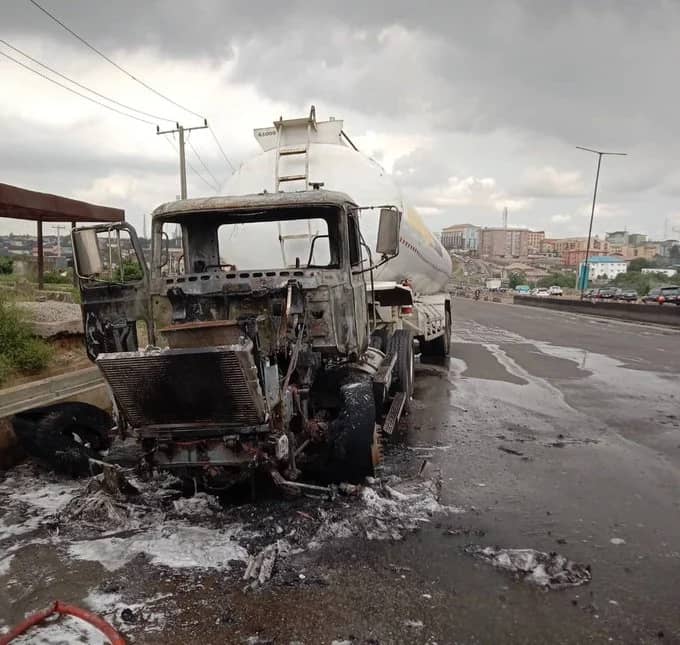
(352, 436)
(64, 436)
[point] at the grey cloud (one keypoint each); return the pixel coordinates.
(581, 70)
(41, 157)
(536, 77)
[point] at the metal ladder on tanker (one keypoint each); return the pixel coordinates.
(293, 151)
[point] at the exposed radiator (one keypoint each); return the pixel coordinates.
(186, 386)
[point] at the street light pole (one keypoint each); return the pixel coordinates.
(586, 269)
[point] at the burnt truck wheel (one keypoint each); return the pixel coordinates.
(355, 448)
(441, 345)
(401, 343)
(64, 436)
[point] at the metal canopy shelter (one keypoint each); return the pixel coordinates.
(19, 203)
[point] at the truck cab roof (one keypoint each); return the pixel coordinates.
(259, 201)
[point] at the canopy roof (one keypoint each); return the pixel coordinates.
(19, 203)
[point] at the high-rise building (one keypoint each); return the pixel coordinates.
(460, 237)
(504, 243)
(535, 241)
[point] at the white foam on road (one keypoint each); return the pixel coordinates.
(171, 545)
(388, 512)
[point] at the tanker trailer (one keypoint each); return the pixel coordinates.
(280, 317)
(298, 154)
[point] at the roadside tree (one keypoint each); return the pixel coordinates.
(517, 278)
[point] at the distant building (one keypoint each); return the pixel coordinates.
(620, 238)
(572, 250)
(535, 241)
(622, 250)
(624, 238)
(666, 246)
(460, 237)
(504, 243)
(604, 267)
(636, 239)
(669, 273)
(649, 251)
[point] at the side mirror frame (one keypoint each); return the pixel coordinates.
(87, 257)
(388, 232)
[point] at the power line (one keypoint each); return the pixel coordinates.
(191, 145)
(109, 60)
(224, 154)
(133, 77)
(70, 89)
(84, 87)
(191, 167)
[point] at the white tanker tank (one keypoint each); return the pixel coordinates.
(327, 157)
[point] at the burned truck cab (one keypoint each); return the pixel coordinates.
(232, 259)
(241, 341)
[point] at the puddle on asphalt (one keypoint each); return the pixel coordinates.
(482, 362)
(553, 380)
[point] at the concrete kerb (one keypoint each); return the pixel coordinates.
(666, 315)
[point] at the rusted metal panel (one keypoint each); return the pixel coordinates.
(209, 333)
(20, 203)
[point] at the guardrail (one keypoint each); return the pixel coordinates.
(658, 314)
(49, 390)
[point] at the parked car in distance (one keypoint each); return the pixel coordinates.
(522, 289)
(555, 290)
(605, 293)
(628, 295)
(542, 293)
(663, 295)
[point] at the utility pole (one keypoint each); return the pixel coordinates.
(59, 228)
(585, 276)
(182, 157)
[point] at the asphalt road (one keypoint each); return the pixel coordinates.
(553, 431)
(592, 406)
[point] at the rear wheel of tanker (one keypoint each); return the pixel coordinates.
(401, 344)
(440, 346)
(355, 449)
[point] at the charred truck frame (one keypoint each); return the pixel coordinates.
(221, 372)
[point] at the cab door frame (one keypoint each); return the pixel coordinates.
(111, 307)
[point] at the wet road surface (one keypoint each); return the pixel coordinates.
(554, 432)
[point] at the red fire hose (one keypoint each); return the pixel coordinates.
(62, 608)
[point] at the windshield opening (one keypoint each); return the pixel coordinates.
(272, 239)
(299, 243)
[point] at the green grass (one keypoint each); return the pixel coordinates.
(20, 350)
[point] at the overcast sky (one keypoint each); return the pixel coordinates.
(472, 105)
